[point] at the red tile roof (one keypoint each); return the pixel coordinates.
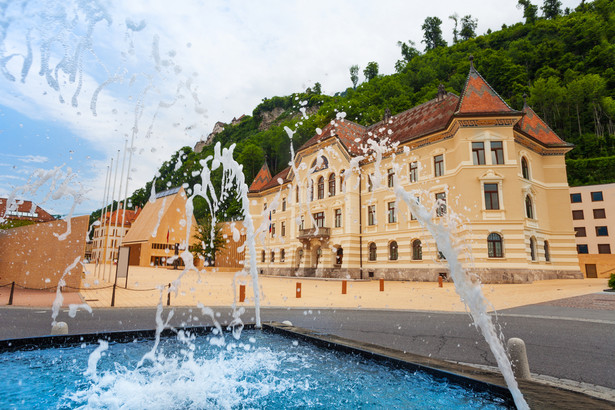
(479, 97)
(535, 127)
(275, 181)
(24, 210)
(261, 179)
(129, 217)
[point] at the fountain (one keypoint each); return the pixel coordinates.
(111, 380)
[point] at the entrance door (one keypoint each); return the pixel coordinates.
(590, 270)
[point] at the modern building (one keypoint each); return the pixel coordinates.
(337, 211)
(160, 229)
(109, 233)
(593, 217)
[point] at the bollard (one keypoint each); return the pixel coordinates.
(59, 328)
(440, 281)
(242, 293)
(518, 358)
(344, 284)
(113, 296)
(298, 294)
(169, 296)
(12, 291)
(381, 285)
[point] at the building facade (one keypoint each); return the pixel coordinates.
(593, 216)
(22, 211)
(337, 211)
(108, 235)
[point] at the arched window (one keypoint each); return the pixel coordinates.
(529, 211)
(321, 188)
(547, 254)
(311, 191)
(533, 248)
(417, 250)
(525, 169)
(342, 176)
(393, 254)
(263, 256)
(332, 185)
(282, 255)
(372, 251)
(339, 255)
(297, 195)
(272, 256)
(494, 246)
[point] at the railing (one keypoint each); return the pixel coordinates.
(314, 233)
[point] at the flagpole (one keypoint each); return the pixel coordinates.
(119, 196)
(103, 206)
(117, 163)
(104, 223)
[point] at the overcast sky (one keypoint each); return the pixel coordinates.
(165, 72)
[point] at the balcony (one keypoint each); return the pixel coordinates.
(306, 234)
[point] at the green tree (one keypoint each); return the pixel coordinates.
(209, 241)
(371, 71)
(468, 27)
(530, 11)
(455, 18)
(354, 75)
(317, 89)
(551, 8)
(432, 33)
(252, 157)
(408, 52)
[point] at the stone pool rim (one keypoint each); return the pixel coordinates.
(538, 395)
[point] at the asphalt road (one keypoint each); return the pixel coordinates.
(565, 343)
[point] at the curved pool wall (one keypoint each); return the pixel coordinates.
(446, 373)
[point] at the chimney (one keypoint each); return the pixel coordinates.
(387, 115)
(441, 92)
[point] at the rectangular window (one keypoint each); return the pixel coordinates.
(392, 213)
(497, 152)
(441, 209)
(492, 200)
(582, 249)
(390, 177)
(412, 217)
(478, 153)
(319, 219)
(414, 172)
(602, 231)
(283, 228)
(283, 204)
(338, 218)
(438, 165)
(597, 196)
(576, 215)
(580, 232)
(272, 230)
(599, 214)
(575, 198)
(604, 248)
(371, 215)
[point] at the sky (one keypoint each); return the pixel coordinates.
(82, 80)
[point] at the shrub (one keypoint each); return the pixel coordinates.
(612, 281)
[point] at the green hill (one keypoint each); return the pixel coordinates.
(565, 65)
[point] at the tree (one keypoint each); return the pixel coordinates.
(551, 8)
(408, 52)
(317, 89)
(455, 18)
(530, 11)
(371, 71)
(354, 76)
(209, 241)
(252, 158)
(432, 33)
(468, 27)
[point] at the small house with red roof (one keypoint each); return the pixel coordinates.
(493, 176)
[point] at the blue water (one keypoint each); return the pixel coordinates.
(260, 370)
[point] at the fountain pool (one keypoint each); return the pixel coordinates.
(261, 370)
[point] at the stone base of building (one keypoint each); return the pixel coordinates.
(425, 275)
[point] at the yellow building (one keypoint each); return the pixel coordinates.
(159, 229)
(593, 208)
(334, 213)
